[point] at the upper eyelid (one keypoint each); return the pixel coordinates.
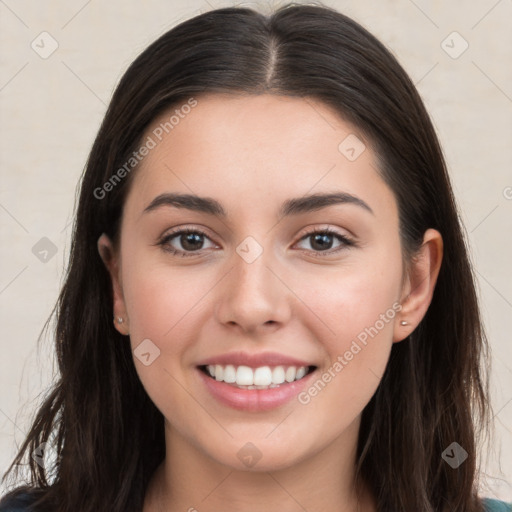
(182, 230)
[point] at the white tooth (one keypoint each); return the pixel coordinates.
(219, 372)
(290, 374)
(278, 375)
(244, 376)
(301, 372)
(229, 374)
(211, 370)
(263, 376)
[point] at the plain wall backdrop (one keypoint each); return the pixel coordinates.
(60, 63)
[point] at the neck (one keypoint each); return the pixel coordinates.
(190, 480)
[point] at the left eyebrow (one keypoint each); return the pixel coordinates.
(289, 207)
(317, 201)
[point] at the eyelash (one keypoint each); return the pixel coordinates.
(346, 242)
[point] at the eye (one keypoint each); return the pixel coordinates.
(190, 240)
(321, 241)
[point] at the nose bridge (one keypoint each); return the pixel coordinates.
(252, 294)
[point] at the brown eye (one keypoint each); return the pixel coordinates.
(184, 241)
(322, 240)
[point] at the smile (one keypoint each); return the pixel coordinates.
(254, 382)
(262, 377)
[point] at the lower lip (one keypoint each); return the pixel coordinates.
(254, 399)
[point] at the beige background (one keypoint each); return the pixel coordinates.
(52, 107)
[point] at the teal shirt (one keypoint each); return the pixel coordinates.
(496, 506)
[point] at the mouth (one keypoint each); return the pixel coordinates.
(256, 378)
(254, 382)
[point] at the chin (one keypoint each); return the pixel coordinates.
(257, 456)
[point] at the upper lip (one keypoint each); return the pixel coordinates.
(254, 360)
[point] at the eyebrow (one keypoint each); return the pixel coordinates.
(294, 206)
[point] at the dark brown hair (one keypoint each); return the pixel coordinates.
(108, 435)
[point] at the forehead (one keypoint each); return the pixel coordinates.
(252, 150)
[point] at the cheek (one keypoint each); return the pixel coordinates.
(363, 305)
(360, 307)
(351, 299)
(162, 303)
(361, 313)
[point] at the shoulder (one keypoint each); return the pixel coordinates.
(20, 500)
(490, 505)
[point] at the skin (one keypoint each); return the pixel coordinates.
(251, 153)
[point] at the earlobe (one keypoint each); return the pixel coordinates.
(420, 284)
(111, 261)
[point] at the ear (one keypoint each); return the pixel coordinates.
(111, 259)
(419, 284)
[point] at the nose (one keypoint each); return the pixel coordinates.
(254, 297)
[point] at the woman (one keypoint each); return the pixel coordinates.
(268, 281)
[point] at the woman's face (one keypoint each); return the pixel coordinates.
(254, 288)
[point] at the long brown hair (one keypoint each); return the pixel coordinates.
(107, 434)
